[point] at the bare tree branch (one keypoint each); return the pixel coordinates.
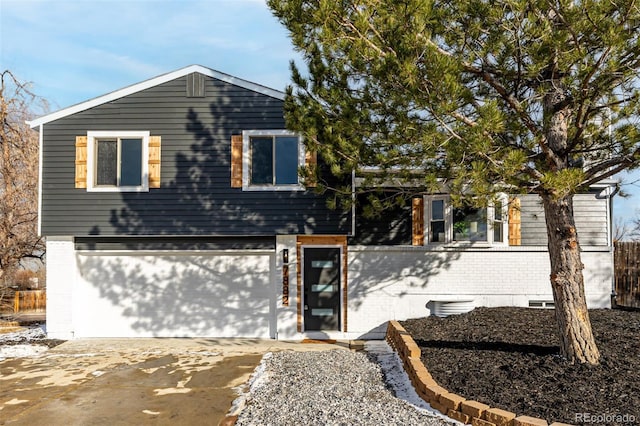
(18, 177)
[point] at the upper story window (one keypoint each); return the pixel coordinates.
(118, 161)
(271, 159)
(448, 224)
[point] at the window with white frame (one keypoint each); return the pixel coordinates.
(118, 161)
(271, 159)
(448, 224)
(437, 211)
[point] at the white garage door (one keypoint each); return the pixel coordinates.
(167, 295)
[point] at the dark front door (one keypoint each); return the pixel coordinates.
(321, 288)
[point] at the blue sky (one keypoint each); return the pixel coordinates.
(75, 50)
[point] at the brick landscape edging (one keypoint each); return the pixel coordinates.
(452, 405)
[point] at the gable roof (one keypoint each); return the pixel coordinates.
(152, 83)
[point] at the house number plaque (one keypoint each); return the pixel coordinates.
(285, 285)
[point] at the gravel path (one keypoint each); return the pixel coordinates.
(335, 387)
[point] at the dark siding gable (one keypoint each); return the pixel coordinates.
(195, 197)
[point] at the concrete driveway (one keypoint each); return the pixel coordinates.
(132, 381)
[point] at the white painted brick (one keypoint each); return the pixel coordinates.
(61, 277)
(398, 283)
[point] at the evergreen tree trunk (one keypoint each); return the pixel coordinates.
(576, 337)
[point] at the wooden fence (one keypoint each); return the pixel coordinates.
(32, 300)
(627, 274)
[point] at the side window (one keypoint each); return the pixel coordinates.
(437, 220)
(271, 160)
(498, 221)
(465, 224)
(470, 224)
(118, 161)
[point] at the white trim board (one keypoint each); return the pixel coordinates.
(152, 83)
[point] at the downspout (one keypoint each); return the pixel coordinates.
(40, 149)
(610, 195)
(353, 204)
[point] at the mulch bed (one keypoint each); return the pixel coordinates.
(509, 358)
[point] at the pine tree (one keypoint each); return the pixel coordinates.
(514, 96)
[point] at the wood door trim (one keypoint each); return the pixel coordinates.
(319, 240)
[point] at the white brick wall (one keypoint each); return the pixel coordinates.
(384, 283)
(61, 277)
(402, 282)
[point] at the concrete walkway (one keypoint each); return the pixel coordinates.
(133, 381)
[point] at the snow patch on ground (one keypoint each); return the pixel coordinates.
(21, 351)
(28, 334)
(22, 344)
(397, 378)
(256, 380)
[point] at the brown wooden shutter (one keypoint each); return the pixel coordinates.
(236, 161)
(417, 222)
(81, 161)
(514, 222)
(154, 161)
(311, 163)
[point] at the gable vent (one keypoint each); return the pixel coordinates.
(195, 85)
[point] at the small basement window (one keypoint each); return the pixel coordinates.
(544, 304)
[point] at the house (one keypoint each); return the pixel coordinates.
(173, 207)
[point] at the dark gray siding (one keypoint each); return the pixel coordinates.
(590, 214)
(391, 226)
(175, 243)
(195, 198)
